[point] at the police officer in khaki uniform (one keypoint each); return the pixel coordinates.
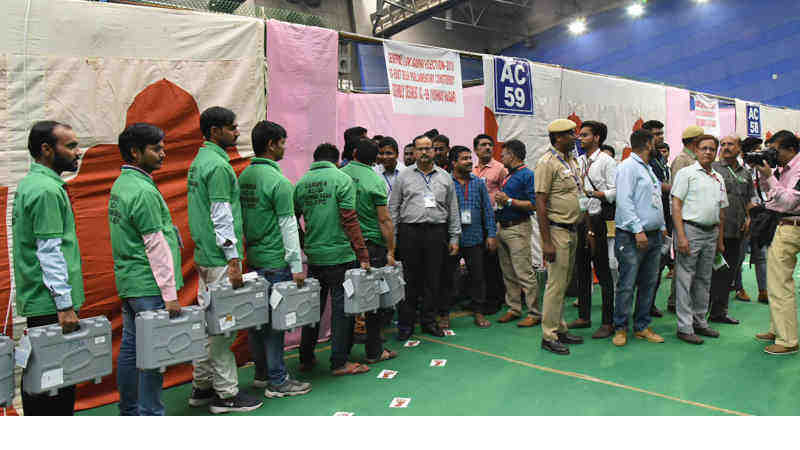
(559, 201)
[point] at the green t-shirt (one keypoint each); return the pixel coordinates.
(212, 179)
(370, 193)
(318, 196)
(266, 196)
(42, 210)
(136, 208)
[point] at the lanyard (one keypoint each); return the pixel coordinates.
(737, 177)
(712, 175)
(427, 179)
(569, 168)
(512, 173)
(388, 183)
(466, 191)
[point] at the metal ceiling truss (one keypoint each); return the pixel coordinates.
(394, 16)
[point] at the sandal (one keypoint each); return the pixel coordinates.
(481, 321)
(385, 356)
(350, 368)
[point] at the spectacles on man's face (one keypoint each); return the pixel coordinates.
(706, 150)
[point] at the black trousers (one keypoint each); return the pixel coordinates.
(448, 289)
(584, 260)
(421, 252)
(495, 287)
(721, 279)
(374, 320)
(474, 258)
(63, 403)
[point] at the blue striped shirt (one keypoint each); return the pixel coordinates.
(475, 198)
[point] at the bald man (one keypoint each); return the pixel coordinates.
(739, 185)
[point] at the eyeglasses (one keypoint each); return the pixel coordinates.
(706, 150)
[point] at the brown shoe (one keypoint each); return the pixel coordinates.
(529, 321)
(766, 337)
(741, 294)
(620, 338)
(481, 321)
(777, 349)
(508, 317)
(603, 332)
(648, 334)
(671, 273)
(444, 322)
(579, 323)
(763, 297)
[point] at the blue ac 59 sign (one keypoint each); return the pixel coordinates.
(513, 87)
(754, 121)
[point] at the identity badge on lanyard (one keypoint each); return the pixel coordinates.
(430, 200)
(583, 200)
(466, 214)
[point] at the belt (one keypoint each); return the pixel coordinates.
(702, 227)
(511, 223)
(620, 230)
(567, 226)
(791, 222)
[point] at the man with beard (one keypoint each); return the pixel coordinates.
(47, 259)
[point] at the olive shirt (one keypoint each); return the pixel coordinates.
(211, 180)
(685, 159)
(319, 196)
(266, 196)
(741, 190)
(560, 179)
(135, 209)
(42, 210)
(370, 193)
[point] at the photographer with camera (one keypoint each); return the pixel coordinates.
(783, 199)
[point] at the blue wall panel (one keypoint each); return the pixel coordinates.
(725, 47)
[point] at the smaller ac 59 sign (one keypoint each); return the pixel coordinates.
(753, 121)
(513, 86)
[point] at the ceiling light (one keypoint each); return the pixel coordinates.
(701, 1)
(578, 26)
(635, 10)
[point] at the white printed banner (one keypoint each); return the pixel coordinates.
(772, 119)
(707, 114)
(424, 81)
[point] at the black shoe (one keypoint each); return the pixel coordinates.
(555, 347)
(708, 332)
(240, 403)
(566, 338)
(433, 329)
(201, 397)
(671, 308)
(655, 312)
(690, 338)
(404, 333)
(724, 319)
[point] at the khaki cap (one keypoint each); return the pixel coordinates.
(561, 125)
(692, 132)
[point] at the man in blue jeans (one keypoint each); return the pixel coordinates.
(639, 236)
(273, 249)
(145, 246)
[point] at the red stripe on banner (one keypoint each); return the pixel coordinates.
(491, 128)
(5, 268)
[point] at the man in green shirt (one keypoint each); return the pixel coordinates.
(147, 260)
(47, 259)
(377, 229)
(215, 222)
(273, 249)
(326, 198)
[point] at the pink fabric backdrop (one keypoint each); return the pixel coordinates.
(374, 112)
(679, 117)
(303, 73)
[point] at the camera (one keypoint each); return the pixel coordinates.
(757, 158)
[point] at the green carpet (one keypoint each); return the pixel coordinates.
(723, 376)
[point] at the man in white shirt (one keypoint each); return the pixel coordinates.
(699, 199)
(389, 166)
(599, 173)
